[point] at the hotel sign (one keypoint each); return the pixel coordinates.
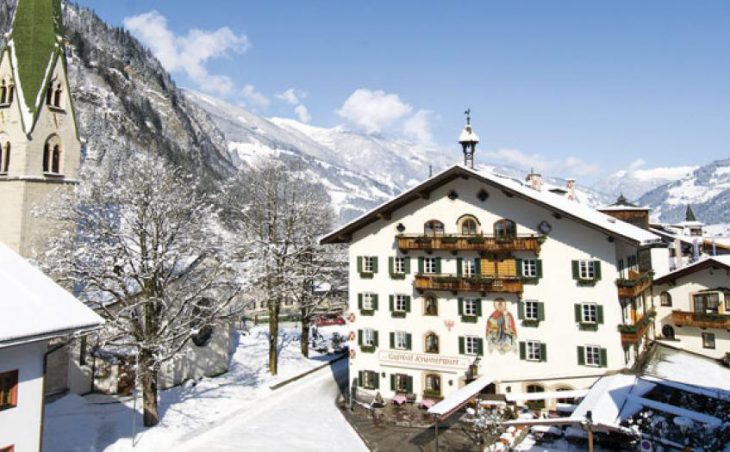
(423, 361)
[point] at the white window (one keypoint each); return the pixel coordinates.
(529, 268)
(531, 310)
(368, 264)
(592, 355)
(368, 337)
(429, 265)
(399, 265)
(589, 313)
(367, 301)
(471, 345)
(400, 303)
(470, 307)
(400, 342)
(587, 269)
(469, 268)
(368, 379)
(532, 349)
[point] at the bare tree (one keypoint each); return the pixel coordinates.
(147, 255)
(280, 213)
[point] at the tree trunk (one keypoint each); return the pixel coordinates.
(273, 337)
(305, 334)
(151, 416)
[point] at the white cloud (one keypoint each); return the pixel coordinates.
(513, 157)
(636, 164)
(373, 111)
(255, 98)
(302, 113)
(292, 96)
(418, 127)
(189, 53)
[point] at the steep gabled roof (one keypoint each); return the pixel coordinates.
(702, 264)
(551, 201)
(689, 215)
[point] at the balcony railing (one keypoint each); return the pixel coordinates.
(633, 333)
(453, 242)
(701, 319)
(634, 285)
(455, 283)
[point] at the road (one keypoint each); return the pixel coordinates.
(301, 416)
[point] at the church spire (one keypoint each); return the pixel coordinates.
(689, 215)
(468, 140)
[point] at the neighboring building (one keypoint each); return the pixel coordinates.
(36, 310)
(471, 270)
(39, 143)
(693, 307)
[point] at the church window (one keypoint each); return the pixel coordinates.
(49, 94)
(57, 98)
(56, 160)
(46, 156)
(5, 158)
(3, 94)
(52, 154)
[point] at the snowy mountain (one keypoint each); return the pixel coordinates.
(633, 183)
(706, 189)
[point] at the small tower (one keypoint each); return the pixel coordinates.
(534, 180)
(39, 144)
(468, 140)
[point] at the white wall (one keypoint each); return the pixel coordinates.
(21, 426)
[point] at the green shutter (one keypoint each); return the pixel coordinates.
(376, 380)
(359, 301)
(359, 337)
(391, 265)
(479, 307)
(392, 382)
(599, 314)
(408, 341)
(359, 378)
(359, 264)
(578, 314)
(477, 266)
(408, 303)
(539, 268)
(459, 263)
(461, 306)
(520, 310)
(597, 268)
(438, 265)
(391, 302)
(480, 347)
(375, 302)
(407, 264)
(375, 338)
(576, 270)
(409, 384)
(375, 264)
(461, 345)
(420, 265)
(392, 340)
(540, 311)
(523, 351)
(581, 356)
(518, 262)
(543, 352)
(604, 358)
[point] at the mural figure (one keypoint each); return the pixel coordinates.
(501, 329)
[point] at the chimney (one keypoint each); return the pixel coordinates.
(570, 187)
(535, 180)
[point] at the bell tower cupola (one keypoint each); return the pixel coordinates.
(468, 141)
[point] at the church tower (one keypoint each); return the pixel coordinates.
(40, 151)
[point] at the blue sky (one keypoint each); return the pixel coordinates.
(574, 88)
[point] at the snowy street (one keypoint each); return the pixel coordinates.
(306, 407)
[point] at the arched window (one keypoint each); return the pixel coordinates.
(665, 298)
(505, 229)
(46, 156)
(5, 158)
(3, 93)
(570, 400)
(49, 94)
(430, 305)
(469, 227)
(57, 97)
(433, 384)
(536, 404)
(431, 344)
(52, 155)
(11, 94)
(433, 227)
(668, 332)
(56, 160)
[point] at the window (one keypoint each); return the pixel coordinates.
(368, 264)
(368, 337)
(430, 305)
(369, 379)
(368, 302)
(587, 269)
(401, 383)
(708, 340)
(400, 340)
(57, 97)
(570, 400)
(469, 225)
(589, 313)
(707, 302)
(52, 155)
(470, 307)
(469, 268)
(433, 227)
(505, 229)
(8, 390)
(6, 94)
(431, 343)
(433, 384)
(430, 265)
(665, 299)
(399, 265)
(668, 332)
(5, 158)
(531, 310)
(592, 355)
(471, 345)
(401, 303)
(532, 351)
(538, 404)
(529, 268)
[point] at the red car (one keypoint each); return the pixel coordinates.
(329, 319)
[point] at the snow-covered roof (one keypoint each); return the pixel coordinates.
(35, 307)
(605, 399)
(468, 135)
(700, 264)
(684, 367)
(457, 399)
(552, 201)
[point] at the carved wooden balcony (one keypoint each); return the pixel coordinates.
(634, 285)
(631, 334)
(455, 283)
(453, 242)
(701, 319)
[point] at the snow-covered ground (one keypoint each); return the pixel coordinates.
(98, 423)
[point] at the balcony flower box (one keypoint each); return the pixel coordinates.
(367, 348)
(477, 240)
(423, 240)
(449, 240)
(446, 279)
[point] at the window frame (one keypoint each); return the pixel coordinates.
(470, 308)
(398, 300)
(665, 299)
(368, 299)
(591, 350)
(9, 389)
(400, 335)
(430, 265)
(583, 312)
(529, 268)
(586, 269)
(426, 348)
(469, 268)
(527, 309)
(705, 296)
(368, 379)
(399, 265)
(368, 337)
(469, 230)
(471, 345)
(533, 350)
(435, 304)
(433, 228)
(432, 383)
(401, 378)
(505, 229)
(368, 264)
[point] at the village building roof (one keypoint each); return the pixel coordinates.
(722, 261)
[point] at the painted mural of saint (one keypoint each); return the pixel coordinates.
(501, 329)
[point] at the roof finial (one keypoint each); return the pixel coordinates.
(468, 116)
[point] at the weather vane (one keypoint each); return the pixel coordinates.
(468, 116)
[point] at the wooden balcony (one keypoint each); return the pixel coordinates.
(701, 319)
(452, 242)
(634, 285)
(454, 283)
(630, 334)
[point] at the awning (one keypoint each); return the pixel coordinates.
(571, 394)
(461, 397)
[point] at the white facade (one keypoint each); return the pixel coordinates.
(557, 291)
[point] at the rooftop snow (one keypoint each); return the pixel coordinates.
(37, 306)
